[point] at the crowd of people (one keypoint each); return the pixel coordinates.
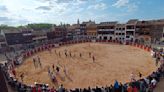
(146, 84)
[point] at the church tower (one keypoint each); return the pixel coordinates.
(78, 22)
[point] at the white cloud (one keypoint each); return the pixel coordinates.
(121, 3)
(43, 8)
(99, 6)
(20, 12)
(128, 4)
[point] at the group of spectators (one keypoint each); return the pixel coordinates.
(143, 85)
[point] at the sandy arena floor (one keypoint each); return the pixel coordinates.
(113, 62)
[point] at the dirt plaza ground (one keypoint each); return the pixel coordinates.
(112, 62)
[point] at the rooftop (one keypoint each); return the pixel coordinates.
(132, 21)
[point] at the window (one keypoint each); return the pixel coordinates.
(110, 38)
(105, 38)
(130, 27)
(127, 37)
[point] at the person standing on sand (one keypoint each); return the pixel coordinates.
(22, 76)
(93, 58)
(70, 54)
(140, 75)
(49, 71)
(40, 64)
(53, 67)
(34, 62)
(57, 69)
(66, 54)
(80, 55)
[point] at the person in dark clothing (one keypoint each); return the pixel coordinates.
(61, 89)
(66, 54)
(40, 64)
(57, 69)
(80, 55)
(93, 58)
(112, 88)
(53, 67)
(34, 62)
(22, 76)
(121, 89)
(70, 54)
(140, 75)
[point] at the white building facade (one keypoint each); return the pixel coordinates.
(120, 32)
(130, 30)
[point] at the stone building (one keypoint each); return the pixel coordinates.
(106, 30)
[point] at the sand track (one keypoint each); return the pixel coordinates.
(112, 62)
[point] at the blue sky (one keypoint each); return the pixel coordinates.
(20, 12)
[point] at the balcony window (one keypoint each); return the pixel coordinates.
(127, 36)
(130, 27)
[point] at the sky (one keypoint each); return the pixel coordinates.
(22, 12)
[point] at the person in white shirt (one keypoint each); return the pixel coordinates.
(154, 82)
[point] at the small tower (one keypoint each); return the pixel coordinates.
(78, 22)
